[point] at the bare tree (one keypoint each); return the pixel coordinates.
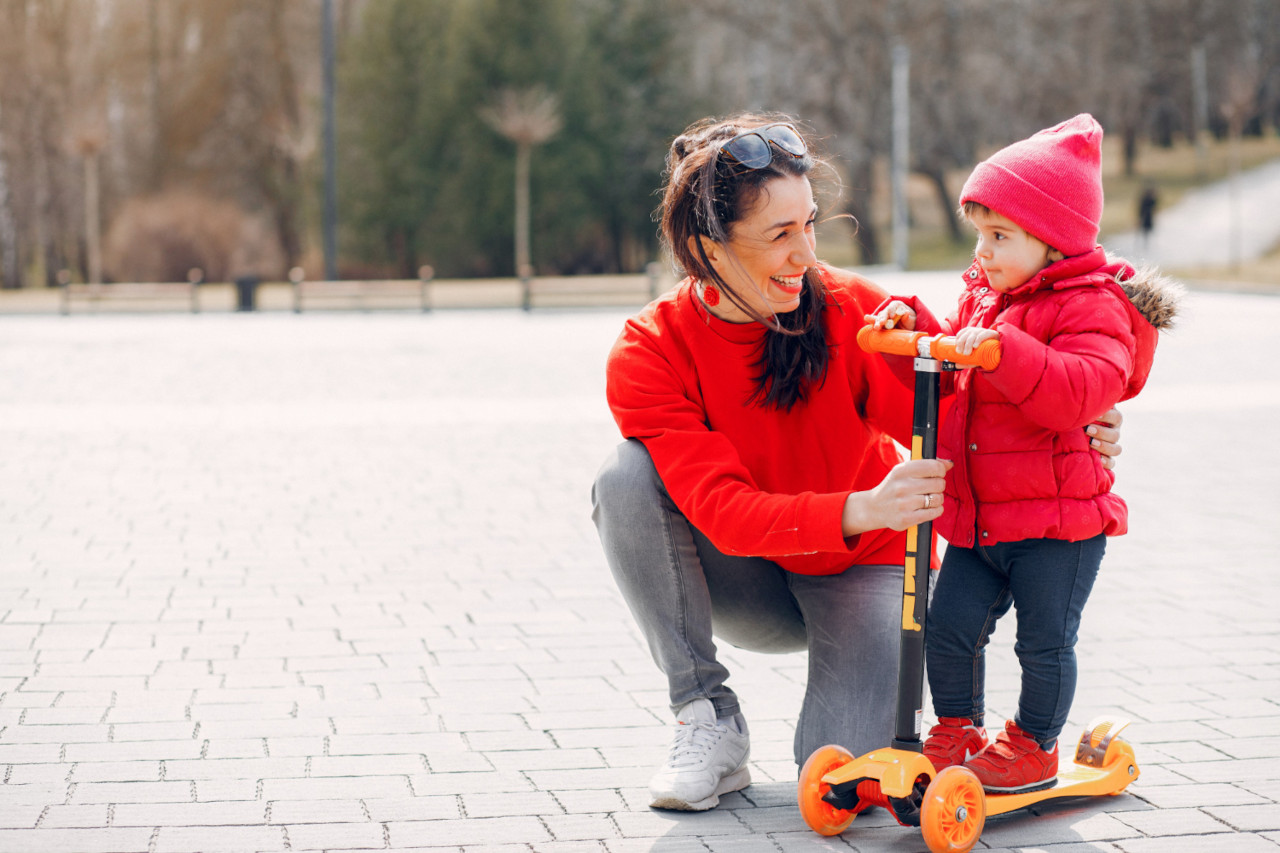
(527, 117)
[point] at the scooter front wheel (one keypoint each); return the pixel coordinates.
(954, 811)
(822, 817)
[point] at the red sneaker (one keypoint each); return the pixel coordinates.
(1014, 763)
(954, 740)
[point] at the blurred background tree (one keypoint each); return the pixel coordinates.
(187, 130)
(425, 180)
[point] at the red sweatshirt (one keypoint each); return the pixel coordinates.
(763, 482)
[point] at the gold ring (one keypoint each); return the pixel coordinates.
(928, 501)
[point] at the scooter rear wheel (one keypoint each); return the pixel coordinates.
(822, 817)
(1119, 751)
(954, 811)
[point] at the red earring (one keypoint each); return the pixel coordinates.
(710, 296)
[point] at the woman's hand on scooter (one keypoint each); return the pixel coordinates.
(1104, 436)
(896, 315)
(911, 493)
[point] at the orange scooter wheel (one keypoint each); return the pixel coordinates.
(954, 811)
(823, 818)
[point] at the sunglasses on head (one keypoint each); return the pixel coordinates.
(753, 149)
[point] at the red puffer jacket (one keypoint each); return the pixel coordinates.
(1076, 339)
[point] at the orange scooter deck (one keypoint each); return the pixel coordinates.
(1091, 775)
(953, 808)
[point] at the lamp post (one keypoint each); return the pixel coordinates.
(330, 224)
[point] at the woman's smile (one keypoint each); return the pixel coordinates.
(791, 284)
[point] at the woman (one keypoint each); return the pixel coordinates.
(759, 496)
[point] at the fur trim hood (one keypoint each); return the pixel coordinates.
(1156, 296)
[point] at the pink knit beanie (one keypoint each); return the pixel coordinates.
(1050, 184)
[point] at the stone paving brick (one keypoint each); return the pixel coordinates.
(1242, 771)
(504, 741)
(134, 750)
(63, 716)
(1240, 843)
(355, 836)
(20, 815)
(567, 847)
(466, 762)
(75, 840)
(582, 802)
(152, 730)
(260, 728)
(27, 733)
(483, 722)
(219, 839)
(807, 842)
(1248, 747)
(63, 817)
(115, 771)
(559, 759)
(132, 792)
(36, 792)
(581, 779)
(317, 811)
(30, 753)
(365, 765)
(580, 827)
(419, 808)
(436, 784)
(1250, 818)
(764, 793)
(466, 833)
(1059, 826)
(28, 774)
(1174, 822)
(217, 790)
(760, 844)
(228, 813)
(678, 844)
(335, 787)
(1244, 723)
(654, 824)
(525, 803)
(236, 768)
(1179, 796)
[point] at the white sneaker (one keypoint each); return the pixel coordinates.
(707, 758)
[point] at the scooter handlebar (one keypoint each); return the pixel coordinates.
(939, 347)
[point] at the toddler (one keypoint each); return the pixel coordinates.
(1028, 503)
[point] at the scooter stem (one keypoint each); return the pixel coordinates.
(915, 577)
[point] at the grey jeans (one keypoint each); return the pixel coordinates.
(682, 591)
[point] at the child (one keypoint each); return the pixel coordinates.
(1028, 503)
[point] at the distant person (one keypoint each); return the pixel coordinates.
(1147, 214)
(759, 496)
(1028, 504)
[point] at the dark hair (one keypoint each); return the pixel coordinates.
(704, 194)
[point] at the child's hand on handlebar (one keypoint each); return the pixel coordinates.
(968, 338)
(896, 315)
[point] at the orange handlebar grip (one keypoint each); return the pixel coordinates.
(903, 342)
(890, 341)
(986, 355)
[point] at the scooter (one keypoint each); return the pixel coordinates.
(950, 806)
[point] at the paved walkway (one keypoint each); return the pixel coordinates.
(1231, 221)
(328, 582)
